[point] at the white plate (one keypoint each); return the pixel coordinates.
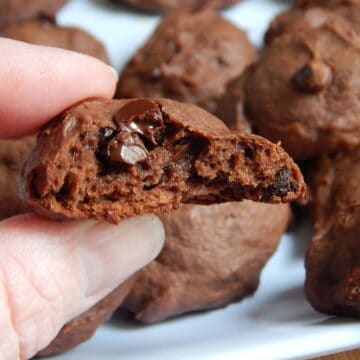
(277, 323)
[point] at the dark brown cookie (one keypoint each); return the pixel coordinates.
(333, 258)
(213, 255)
(15, 10)
(303, 91)
(42, 32)
(12, 156)
(190, 58)
(112, 159)
(171, 5)
(84, 326)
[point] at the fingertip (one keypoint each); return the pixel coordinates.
(156, 226)
(115, 74)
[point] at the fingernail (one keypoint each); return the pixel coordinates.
(114, 73)
(110, 254)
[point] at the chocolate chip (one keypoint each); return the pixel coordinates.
(156, 73)
(283, 184)
(134, 109)
(249, 152)
(106, 133)
(143, 117)
(313, 77)
(133, 154)
(124, 148)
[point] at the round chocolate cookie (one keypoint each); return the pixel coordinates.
(12, 156)
(333, 257)
(190, 58)
(303, 91)
(213, 255)
(113, 159)
(42, 32)
(171, 5)
(15, 10)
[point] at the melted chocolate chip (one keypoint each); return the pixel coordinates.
(124, 148)
(313, 77)
(143, 117)
(106, 133)
(139, 122)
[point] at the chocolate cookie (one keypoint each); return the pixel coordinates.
(112, 159)
(42, 32)
(171, 5)
(14, 10)
(84, 326)
(333, 258)
(190, 58)
(213, 255)
(12, 156)
(303, 91)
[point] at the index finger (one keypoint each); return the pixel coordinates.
(38, 82)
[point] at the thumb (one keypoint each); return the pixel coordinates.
(51, 272)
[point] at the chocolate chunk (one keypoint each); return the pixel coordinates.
(283, 182)
(193, 163)
(124, 148)
(143, 117)
(106, 134)
(313, 77)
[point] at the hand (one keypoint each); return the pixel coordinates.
(51, 272)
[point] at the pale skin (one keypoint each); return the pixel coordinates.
(51, 272)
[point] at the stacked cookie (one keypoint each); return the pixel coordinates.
(303, 92)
